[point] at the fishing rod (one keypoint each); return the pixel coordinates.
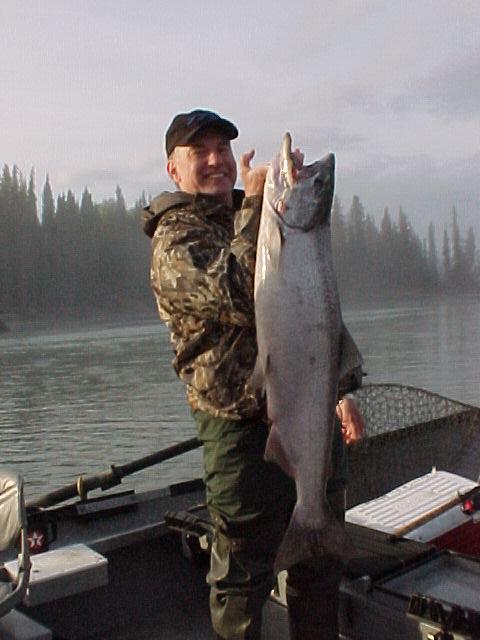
(111, 478)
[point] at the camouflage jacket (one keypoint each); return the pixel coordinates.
(202, 269)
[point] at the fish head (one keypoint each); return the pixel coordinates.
(301, 195)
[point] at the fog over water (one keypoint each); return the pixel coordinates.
(76, 401)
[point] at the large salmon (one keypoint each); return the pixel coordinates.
(301, 338)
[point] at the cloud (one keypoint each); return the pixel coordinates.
(426, 188)
(141, 174)
(450, 90)
(393, 92)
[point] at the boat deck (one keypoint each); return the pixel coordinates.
(154, 590)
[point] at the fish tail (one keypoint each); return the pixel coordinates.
(307, 545)
(275, 452)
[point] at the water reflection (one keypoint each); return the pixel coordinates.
(430, 344)
(75, 402)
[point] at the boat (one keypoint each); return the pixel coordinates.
(125, 565)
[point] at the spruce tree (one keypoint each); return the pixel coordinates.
(31, 247)
(91, 241)
(432, 257)
(48, 205)
(447, 262)
(356, 239)
(7, 232)
(339, 241)
(457, 269)
(471, 268)
(49, 262)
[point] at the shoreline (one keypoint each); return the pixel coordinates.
(14, 326)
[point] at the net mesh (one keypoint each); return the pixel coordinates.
(409, 431)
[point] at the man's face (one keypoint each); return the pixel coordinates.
(206, 165)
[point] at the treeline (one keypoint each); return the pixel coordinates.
(78, 258)
(84, 258)
(393, 258)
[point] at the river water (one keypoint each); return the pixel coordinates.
(75, 401)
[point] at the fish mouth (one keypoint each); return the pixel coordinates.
(300, 195)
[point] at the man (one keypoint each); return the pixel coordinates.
(203, 262)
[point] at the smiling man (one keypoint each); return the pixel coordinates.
(203, 262)
(206, 164)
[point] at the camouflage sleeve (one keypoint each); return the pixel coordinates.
(198, 270)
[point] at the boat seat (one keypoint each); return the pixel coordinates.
(64, 572)
(13, 541)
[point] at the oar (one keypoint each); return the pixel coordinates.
(113, 477)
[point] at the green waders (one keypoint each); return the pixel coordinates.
(250, 502)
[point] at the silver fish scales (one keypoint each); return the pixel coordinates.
(303, 347)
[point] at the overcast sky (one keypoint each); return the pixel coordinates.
(88, 87)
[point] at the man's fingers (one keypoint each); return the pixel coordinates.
(253, 177)
(246, 158)
(353, 424)
(298, 158)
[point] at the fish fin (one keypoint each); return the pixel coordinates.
(259, 374)
(274, 452)
(308, 546)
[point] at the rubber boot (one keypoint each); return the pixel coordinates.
(313, 612)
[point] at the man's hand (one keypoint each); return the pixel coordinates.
(253, 178)
(353, 424)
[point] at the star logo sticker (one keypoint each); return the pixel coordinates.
(36, 541)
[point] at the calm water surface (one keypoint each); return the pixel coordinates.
(74, 402)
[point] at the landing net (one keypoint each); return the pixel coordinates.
(410, 431)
